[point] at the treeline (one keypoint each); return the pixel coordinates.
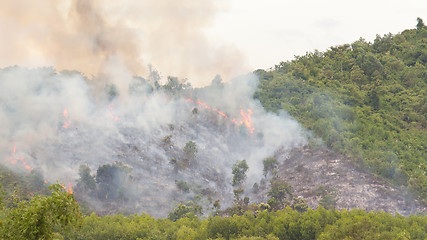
(366, 100)
(283, 224)
(41, 217)
(57, 216)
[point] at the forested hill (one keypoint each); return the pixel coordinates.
(366, 100)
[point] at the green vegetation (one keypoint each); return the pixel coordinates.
(367, 101)
(283, 224)
(183, 186)
(58, 217)
(239, 172)
(190, 149)
(270, 164)
(279, 193)
(19, 186)
(41, 216)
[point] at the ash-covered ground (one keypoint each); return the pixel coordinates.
(318, 173)
(132, 141)
(144, 147)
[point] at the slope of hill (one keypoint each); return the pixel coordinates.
(155, 146)
(367, 101)
(323, 177)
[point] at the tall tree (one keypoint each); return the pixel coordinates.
(420, 23)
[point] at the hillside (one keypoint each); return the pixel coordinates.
(367, 101)
(329, 145)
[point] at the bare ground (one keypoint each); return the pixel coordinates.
(316, 173)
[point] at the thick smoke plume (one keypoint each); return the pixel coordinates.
(149, 144)
(54, 122)
(90, 36)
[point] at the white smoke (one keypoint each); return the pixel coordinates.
(91, 35)
(130, 128)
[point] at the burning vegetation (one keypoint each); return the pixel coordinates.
(145, 149)
(155, 147)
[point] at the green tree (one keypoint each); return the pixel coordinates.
(185, 210)
(357, 75)
(185, 233)
(41, 216)
(190, 149)
(183, 186)
(110, 178)
(174, 85)
(279, 192)
(239, 172)
(269, 165)
(420, 23)
(167, 140)
(112, 91)
(328, 201)
(86, 181)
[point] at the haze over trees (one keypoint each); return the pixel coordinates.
(367, 101)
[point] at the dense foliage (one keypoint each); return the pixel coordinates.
(365, 100)
(283, 224)
(57, 216)
(41, 216)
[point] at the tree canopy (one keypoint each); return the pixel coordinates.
(367, 101)
(41, 216)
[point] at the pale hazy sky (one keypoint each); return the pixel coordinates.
(194, 39)
(270, 31)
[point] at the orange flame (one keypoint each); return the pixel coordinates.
(13, 159)
(246, 116)
(111, 115)
(247, 120)
(67, 121)
(68, 188)
(207, 107)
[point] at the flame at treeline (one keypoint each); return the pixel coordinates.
(68, 188)
(18, 160)
(67, 121)
(111, 113)
(246, 116)
(14, 159)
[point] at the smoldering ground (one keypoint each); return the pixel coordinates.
(56, 122)
(53, 121)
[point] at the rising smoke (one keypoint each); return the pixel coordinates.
(91, 35)
(56, 124)
(54, 121)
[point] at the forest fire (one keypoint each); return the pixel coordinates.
(67, 121)
(207, 106)
(13, 159)
(247, 121)
(68, 188)
(111, 113)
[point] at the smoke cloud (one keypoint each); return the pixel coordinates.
(91, 36)
(53, 122)
(94, 107)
